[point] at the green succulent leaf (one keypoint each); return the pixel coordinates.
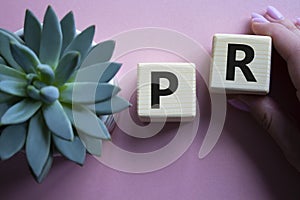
(102, 52)
(92, 145)
(66, 67)
(4, 97)
(5, 52)
(25, 57)
(13, 88)
(37, 144)
(12, 139)
(42, 100)
(73, 150)
(32, 32)
(57, 121)
(81, 92)
(87, 122)
(82, 42)
(46, 73)
(3, 108)
(101, 72)
(51, 39)
(33, 92)
(110, 106)
(104, 133)
(2, 61)
(20, 112)
(9, 73)
(49, 94)
(46, 168)
(38, 84)
(68, 29)
(12, 35)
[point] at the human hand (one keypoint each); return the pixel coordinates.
(286, 40)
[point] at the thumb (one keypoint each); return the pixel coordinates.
(277, 123)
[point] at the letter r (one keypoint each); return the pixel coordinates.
(242, 64)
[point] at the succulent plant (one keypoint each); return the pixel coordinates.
(38, 102)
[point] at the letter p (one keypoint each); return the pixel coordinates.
(156, 92)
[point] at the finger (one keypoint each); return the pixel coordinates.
(297, 23)
(258, 18)
(286, 43)
(278, 124)
(275, 16)
(287, 23)
(284, 40)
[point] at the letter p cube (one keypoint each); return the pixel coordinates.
(166, 91)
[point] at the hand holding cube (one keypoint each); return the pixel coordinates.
(241, 64)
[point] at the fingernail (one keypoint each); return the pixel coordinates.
(256, 15)
(258, 18)
(298, 21)
(239, 105)
(274, 13)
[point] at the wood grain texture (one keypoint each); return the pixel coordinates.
(179, 106)
(260, 66)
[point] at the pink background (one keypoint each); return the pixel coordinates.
(245, 163)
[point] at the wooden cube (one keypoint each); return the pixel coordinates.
(166, 91)
(241, 64)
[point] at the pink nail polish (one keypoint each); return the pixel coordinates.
(298, 21)
(260, 20)
(256, 15)
(274, 13)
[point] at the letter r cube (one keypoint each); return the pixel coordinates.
(166, 91)
(241, 64)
